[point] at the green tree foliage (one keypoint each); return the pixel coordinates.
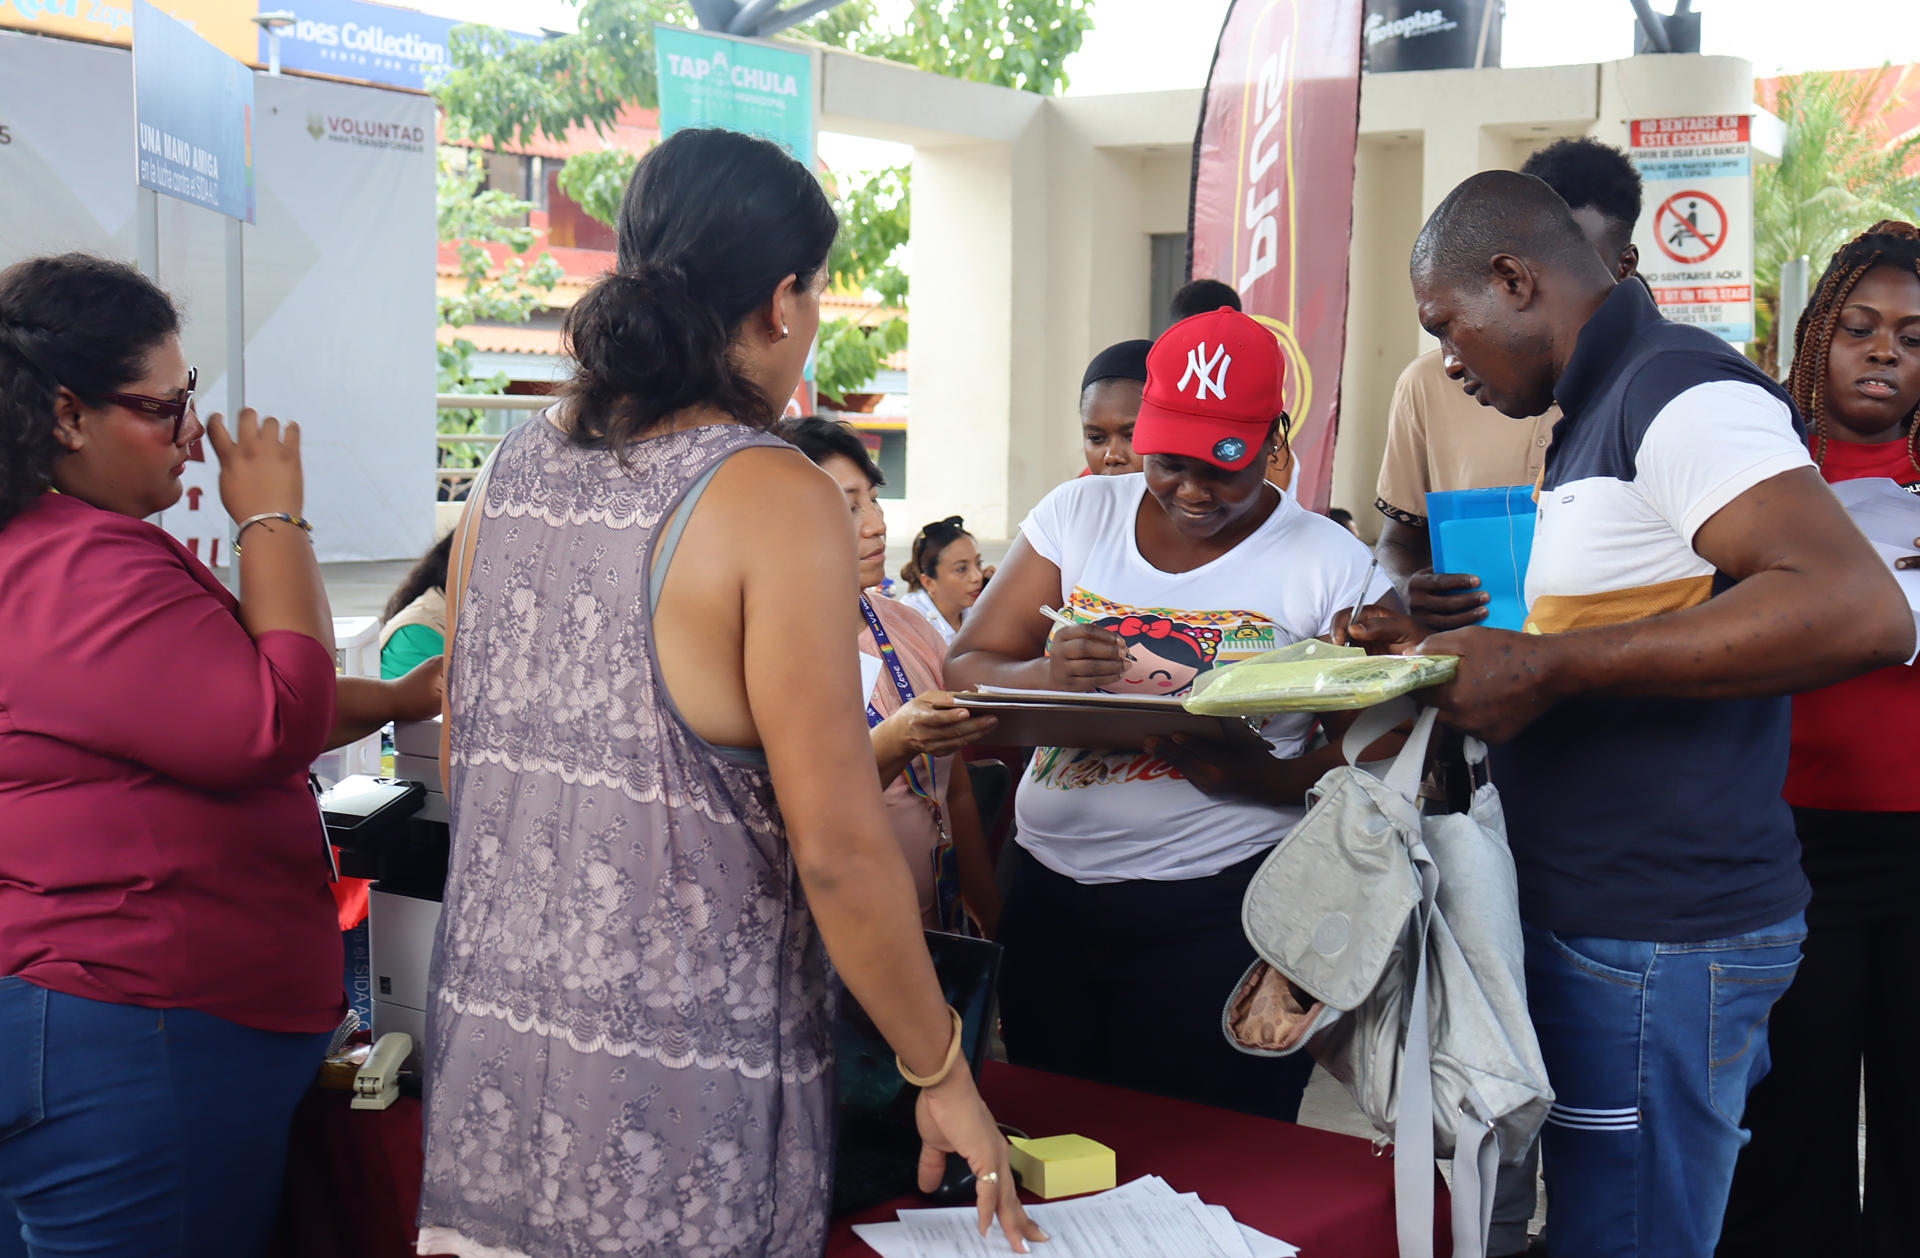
(1018, 45)
(597, 181)
(1840, 173)
(875, 220)
(507, 91)
(469, 219)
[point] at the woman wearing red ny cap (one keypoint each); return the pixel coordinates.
(1123, 927)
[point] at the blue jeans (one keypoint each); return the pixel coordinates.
(129, 1132)
(1652, 1049)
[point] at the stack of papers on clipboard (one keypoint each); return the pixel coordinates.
(1144, 1217)
(1096, 721)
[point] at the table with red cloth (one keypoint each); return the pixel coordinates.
(354, 1175)
(1329, 1194)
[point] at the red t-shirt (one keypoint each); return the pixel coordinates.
(1854, 744)
(158, 843)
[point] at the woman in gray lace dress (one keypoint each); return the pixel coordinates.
(665, 814)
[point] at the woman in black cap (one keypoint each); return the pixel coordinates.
(1109, 400)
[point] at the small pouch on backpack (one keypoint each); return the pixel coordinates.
(1328, 906)
(1269, 1015)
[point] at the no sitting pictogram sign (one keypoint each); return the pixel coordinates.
(1690, 227)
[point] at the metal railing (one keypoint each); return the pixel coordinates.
(452, 481)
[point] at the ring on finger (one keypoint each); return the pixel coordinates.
(991, 1177)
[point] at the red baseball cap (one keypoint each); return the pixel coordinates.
(1213, 390)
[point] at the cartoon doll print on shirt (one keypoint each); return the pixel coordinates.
(1164, 655)
(1167, 651)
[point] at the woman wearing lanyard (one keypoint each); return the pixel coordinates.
(916, 729)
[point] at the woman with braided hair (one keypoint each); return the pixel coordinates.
(1856, 800)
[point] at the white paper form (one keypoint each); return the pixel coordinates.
(1145, 1216)
(1166, 1227)
(1890, 517)
(1259, 1244)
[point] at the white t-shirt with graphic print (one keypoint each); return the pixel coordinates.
(1107, 817)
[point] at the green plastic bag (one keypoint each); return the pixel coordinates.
(1314, 676)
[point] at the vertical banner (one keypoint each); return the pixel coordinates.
(1272, 207)
(193, 116)
(1696, 232)
(740, 85)
(717, 81)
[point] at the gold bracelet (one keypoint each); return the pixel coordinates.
(946, 1067)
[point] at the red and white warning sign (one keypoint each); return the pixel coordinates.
(1696, 223)
(1691, 226)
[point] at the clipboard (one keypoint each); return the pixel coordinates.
(1098, 722)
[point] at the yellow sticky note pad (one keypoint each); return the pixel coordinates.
(1062, 1166)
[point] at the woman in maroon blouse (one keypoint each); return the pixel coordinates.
(170, 968)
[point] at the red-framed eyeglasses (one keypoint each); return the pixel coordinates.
(174, 409)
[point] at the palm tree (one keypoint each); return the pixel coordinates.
(1840, 172)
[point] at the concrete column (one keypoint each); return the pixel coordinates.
(961, 337)
(1382, 336)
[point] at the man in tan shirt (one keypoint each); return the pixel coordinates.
(1439, 438)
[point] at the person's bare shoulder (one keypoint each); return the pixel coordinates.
(762, 487)
(773, 510)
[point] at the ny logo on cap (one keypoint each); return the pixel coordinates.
(1212, 371)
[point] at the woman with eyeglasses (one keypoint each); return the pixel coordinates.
(170, 967)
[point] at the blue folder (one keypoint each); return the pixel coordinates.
(1488, 532)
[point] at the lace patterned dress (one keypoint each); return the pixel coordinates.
(629, 1041)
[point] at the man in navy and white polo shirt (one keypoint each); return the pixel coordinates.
(1689, 571)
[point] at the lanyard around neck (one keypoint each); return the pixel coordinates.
(927, 790)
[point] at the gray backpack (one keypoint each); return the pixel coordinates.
(1370, 919)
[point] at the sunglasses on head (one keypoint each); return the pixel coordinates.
(173, 410)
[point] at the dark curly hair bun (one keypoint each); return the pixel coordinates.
(712, 222)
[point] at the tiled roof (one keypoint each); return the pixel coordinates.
(633, 129)
(495, 339)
